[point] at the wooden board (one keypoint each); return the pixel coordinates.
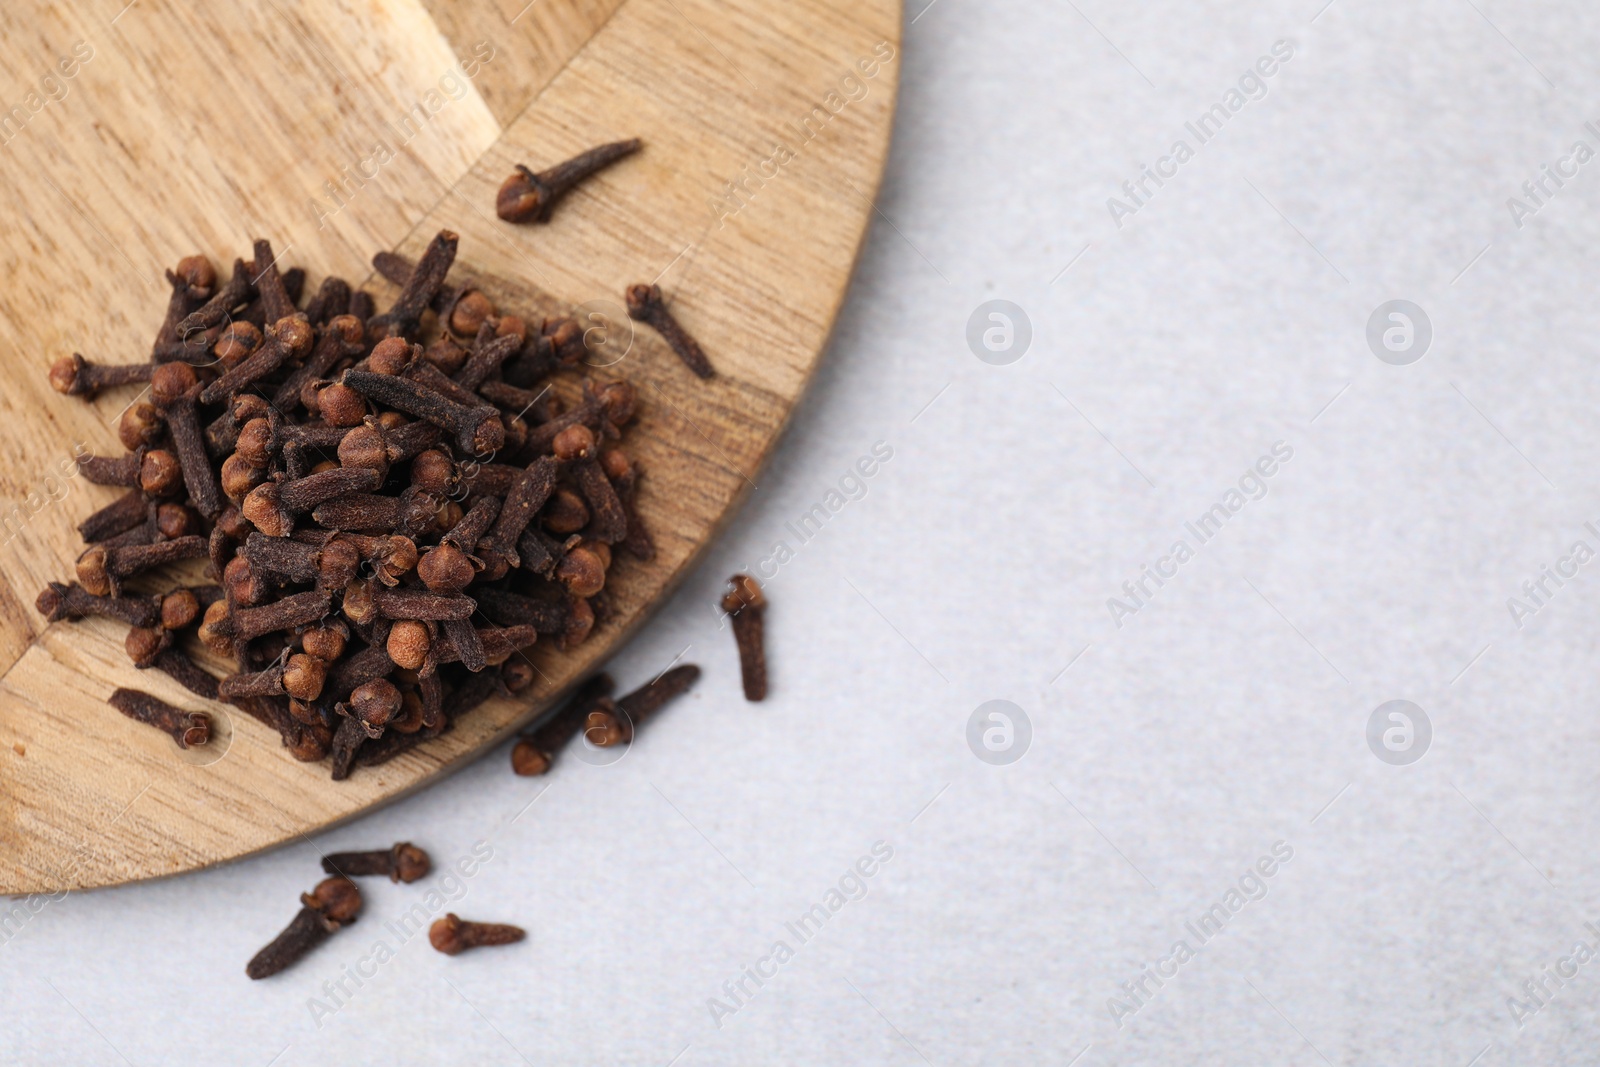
(189, 128)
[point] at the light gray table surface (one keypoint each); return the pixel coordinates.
(1167, 749)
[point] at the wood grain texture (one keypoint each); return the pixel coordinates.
(535, 39)
(138, 166)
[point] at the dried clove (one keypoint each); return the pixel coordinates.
(173, 387)
(154, 471)
(76, 376)
(373, 704)
(188, 728)
(478, 429)
(287, 338)
(423, 605)
(71, 601)
(298, 610)
(404, 862)
(745, 605)
(527, 196)
(122, 514)
(332, 299)
(101, 569)
(498, 547)
(405, 316)
(216, 309)
(453, 935)
(192, 285)
(333, 904)
(575, 447)
(624, 477)
(645, 305)
(275, 301)
(616, 725)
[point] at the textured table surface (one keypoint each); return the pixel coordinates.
(1220, 731)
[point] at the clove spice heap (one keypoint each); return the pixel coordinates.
(393, 505)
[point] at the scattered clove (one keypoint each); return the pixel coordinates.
(645, 305)
(453, 935)
(527, 196)
(745, 606)
(404, 862)
(333, 904)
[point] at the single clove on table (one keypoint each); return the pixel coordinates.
(453, 935)
(328, 908)
(746, 607)
(404, 862)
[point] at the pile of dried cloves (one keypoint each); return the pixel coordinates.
(393, 504)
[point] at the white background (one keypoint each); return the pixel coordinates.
(1228, 714)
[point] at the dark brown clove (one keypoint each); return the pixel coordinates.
(192, 285)
(404, 862)
(76, 376)
(485, 357)
(186, 672)
(333, 904)
(306, 493)
(398, 270)
(140, 426)
(287, 338)
(534, 404)
(617, 725)
(101, 569)
(423, 605)
(255, 312)
(341, 338)
(498, 547)
(275, 301)
(213, 311)
(512, 609)
(374, 703)
(496, 643)
(425, 373)
(331, 300)
(155, 471)
(645, 305)
(173, 387)
(405, 315)
(466, 643)
(466, 534)
(624, 477)
(331, 566)
(188, 728)
(298, 675)
(746, 607)
(123, 513)
(71, 601)
(299, 610)
(527, 196)
(478, 429)
(143, 644)
(575, 446)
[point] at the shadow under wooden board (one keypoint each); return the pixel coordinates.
(766, 127)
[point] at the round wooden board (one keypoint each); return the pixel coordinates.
(337, 131)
